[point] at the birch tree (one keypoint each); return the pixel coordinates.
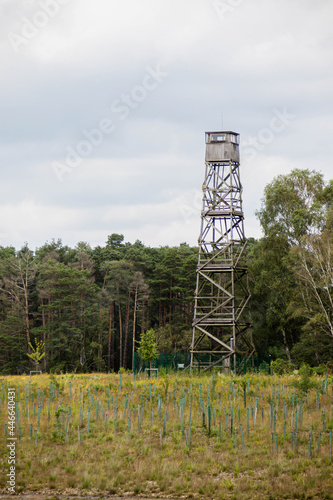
(313, 267)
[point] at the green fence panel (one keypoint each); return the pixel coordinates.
(179, 361)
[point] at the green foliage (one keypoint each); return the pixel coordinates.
(291, 268)
(292, 206)
(305, 383)
(123, 370)
(165, 385)
(59, 411)
(58, 433)
(312, 263)
(58, 384)
(282, 366)
(38, 352)
(148, 347)
(320, 370)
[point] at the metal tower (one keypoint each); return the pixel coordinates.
(221, 324)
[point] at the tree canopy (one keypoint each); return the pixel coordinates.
(291, 269)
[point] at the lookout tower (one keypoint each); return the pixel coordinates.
(221, 324)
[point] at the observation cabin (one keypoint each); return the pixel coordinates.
(222, 146)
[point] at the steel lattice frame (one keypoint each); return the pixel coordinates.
(222, 325)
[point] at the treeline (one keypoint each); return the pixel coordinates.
(90, 306)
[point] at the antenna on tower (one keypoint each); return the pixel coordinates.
(221, 120)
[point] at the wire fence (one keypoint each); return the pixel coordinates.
(179, 361)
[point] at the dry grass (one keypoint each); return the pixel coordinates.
(163, 455)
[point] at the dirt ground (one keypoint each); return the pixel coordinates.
(53, 496)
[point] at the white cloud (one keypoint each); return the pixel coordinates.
(147, 174)
(161, 223)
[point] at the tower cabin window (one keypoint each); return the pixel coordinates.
(218, 137)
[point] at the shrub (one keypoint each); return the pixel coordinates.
(123, 371)
(305, 383)
(281, 366)
(320, 370)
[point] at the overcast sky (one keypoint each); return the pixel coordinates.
(104, 105)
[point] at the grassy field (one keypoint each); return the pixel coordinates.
(206, 436)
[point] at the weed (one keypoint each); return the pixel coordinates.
(227, 483)
(165, 385)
